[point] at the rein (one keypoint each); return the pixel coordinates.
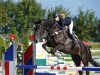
(55, 33)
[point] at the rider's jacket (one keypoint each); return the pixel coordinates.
(64, 22)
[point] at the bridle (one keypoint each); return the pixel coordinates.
(50, 29)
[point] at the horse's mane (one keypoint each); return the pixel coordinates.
(48, 21)
(44, 20)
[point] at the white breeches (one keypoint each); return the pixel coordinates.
(71, 27)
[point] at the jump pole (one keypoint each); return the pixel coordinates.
(64, 68)
(34, 56)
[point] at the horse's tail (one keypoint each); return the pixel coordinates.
(94, 63)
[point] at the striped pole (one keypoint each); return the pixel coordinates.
(14, 57)
(28, 60)
(60, 68)
(34, 56)
(9, 58)
(2, 64)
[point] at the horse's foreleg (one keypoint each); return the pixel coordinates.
(45, 47)
(57, 48)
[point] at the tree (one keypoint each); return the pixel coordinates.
(28, 11)
(97, 37)
(21, 15)
(8, 13)
(2, 47)
(4, 19)
(11, 9)
(57, 10)
(85, 25)
(25, 42)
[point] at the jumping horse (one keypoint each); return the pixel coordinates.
(59, 40)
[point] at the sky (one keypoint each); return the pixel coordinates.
(73, 5)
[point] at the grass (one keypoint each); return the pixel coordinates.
(95, 48)
(94, 45)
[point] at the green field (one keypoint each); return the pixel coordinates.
(95, 52)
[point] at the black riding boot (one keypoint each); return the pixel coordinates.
(74, 40)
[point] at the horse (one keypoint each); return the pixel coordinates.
(59, 40)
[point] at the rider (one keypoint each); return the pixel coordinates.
(64, 21)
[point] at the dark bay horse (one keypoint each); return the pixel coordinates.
(59, 40)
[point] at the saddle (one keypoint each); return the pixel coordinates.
(70, 40)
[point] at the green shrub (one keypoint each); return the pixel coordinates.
(2, 48)
(95, 45)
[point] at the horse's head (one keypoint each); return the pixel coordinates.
(41, 28)
(37, 30)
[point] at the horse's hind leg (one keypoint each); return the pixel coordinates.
(77, 60)
(85, 61)
(86, 65)
(86, 55)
